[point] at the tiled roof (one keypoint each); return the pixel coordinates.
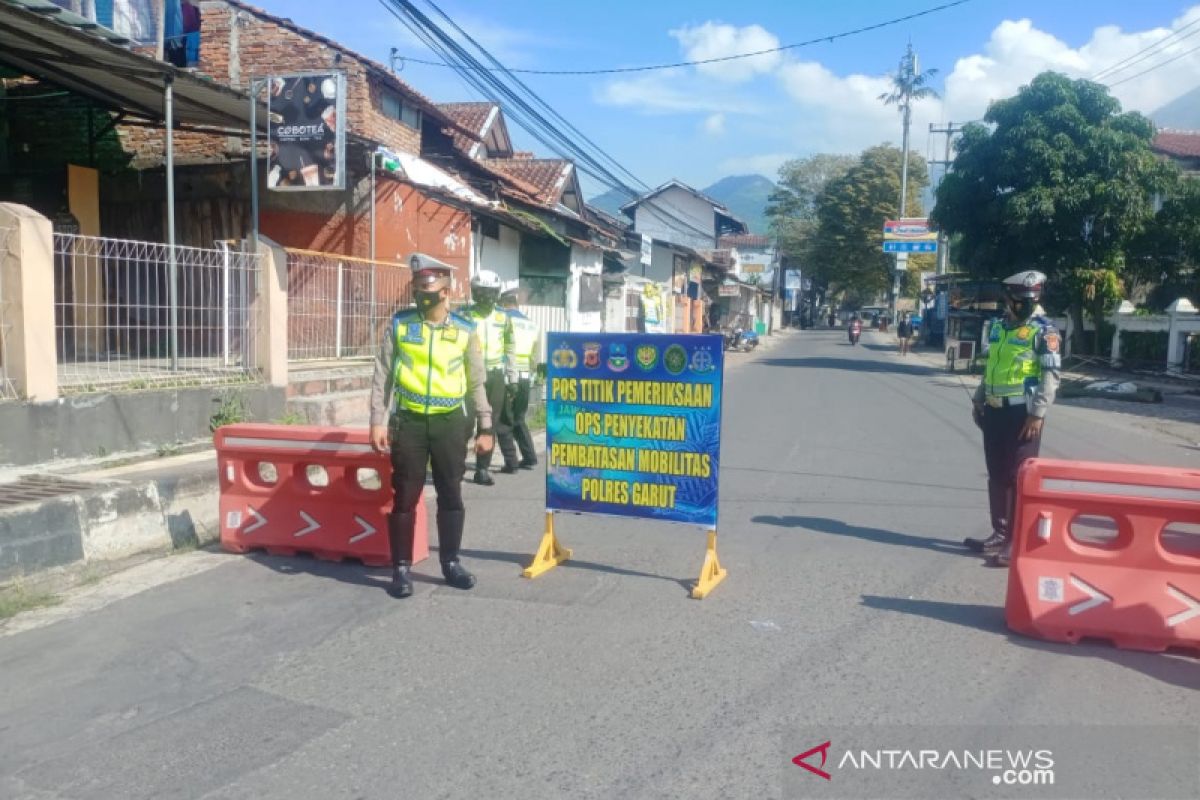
(469, 116)
(548, 175)
(379, 70)
(750, 241)
(1181, 144)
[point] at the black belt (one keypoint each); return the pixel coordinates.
(1004, 402)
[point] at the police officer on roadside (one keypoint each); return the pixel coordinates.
(429, 363)
(525, 354)
(1018, 388)
(495, 338)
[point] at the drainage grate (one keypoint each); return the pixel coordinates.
(35, 488)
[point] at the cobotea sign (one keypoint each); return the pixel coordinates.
(633, 425)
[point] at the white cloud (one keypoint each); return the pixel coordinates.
(714, 40)
(825, 111)
(714, 124)
(670, 91)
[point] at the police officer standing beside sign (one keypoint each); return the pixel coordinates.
(524, 354)
(494, 327)
(429, 362)
(1018, 387)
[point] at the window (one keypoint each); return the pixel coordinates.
(395, 108)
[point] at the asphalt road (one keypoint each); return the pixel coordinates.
(848, 478)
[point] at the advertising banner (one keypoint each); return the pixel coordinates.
(633, 425)
(792, 279)
(308, 142)
(908, 229)
(652, 308)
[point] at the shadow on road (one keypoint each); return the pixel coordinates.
(857, 478)
(1175, 670)
(522, 560)
(851, 365)
(839, 528)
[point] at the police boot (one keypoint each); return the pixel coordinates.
(482, 476)
(401, 529)
(450, 531)
(1002, 557)
(989, 546)
(998, 503)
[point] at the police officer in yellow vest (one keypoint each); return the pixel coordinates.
(429, 362)
(525, 354)
(495, 337)
(1018, 388)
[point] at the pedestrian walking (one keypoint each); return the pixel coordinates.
(526, 357)
(428, 363)
(904, 332)
(1019, 385)
(495, 337)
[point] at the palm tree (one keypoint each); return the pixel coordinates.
(908, 84)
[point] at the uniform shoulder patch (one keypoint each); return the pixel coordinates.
(405, 315)
(463, 321)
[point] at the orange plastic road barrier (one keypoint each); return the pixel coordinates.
(293, 489)
(1138, 586)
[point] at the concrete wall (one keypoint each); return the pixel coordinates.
(101, 424)
(677, 216)
(502, 256)
(590, 261)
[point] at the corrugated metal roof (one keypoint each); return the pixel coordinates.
(62, 48)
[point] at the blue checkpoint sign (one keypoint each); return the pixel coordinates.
(910, 247)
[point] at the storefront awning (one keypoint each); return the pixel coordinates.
(49, 43)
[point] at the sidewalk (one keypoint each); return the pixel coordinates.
(1178, 416)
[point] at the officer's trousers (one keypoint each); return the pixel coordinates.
(497, 394)
(1005, 453)
(517, 409)
(437, 440)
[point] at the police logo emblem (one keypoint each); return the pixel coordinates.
(675, 359)
(702, 361)
(564, 357)
(646, 356)
(591, 355)
(413, 334)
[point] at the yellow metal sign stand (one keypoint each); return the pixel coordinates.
(550, 553)
(711, 573)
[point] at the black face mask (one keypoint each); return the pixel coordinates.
(427, 300)
(1022, 307)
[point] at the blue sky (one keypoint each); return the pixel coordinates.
(748, 116)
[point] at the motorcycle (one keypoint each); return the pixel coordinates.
(855, 331)
(749, 341)
(740, 339)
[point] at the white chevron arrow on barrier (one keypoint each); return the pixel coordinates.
(259, 521)
(1193, 607)
(367, 530)
(1097, 597)
(313, 525)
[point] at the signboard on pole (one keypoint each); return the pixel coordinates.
(633, 425)
(792, 279)
(647, 250)
(929, 246)
(908, 229)
(308, 142)
(728, 290)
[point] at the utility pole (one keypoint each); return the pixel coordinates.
(908, 72)
(943, 259)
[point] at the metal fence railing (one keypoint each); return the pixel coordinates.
(7, 390)
(134, 314)
(338, 306)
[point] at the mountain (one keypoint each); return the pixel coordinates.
(1182, 113)
(746, 197)
(611, 202)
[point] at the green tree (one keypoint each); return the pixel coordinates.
(1165, 257)
(792, 206)
(1059, 180)
(846, 249)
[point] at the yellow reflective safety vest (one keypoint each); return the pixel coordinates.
(1016, 356)
(429, 365)
(495, 335)
(525, 333)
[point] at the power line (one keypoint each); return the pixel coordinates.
(1157, 49)
(651, 67)
(1156, 66)
(491, 86)
(1129, 61)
